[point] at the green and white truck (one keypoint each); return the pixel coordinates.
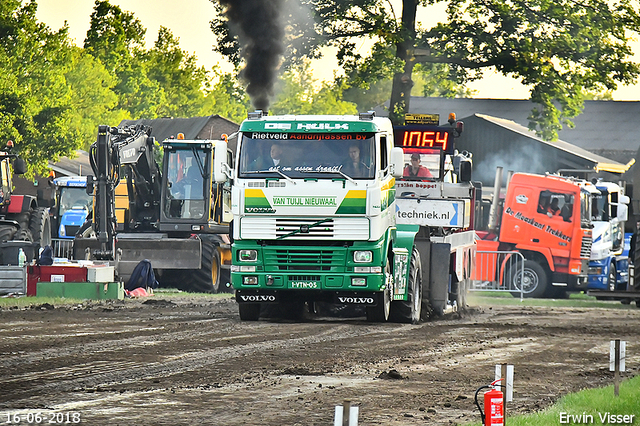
(314, 218)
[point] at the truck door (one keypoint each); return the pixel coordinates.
(555, 223)
(517, 218)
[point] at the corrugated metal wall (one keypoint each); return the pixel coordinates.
(493, 145)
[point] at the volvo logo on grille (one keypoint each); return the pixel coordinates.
(304, 229)
(356, 300)
(258, 297)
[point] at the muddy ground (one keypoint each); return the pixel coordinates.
(186, 361)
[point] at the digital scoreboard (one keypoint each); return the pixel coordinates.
(424, 137)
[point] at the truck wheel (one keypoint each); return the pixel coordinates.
(534, 279)
(249, 311)
(410, 311)
(207, 278)
(40, 227)
(612, 279)
(380, 312)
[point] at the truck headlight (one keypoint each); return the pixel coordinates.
(248, 255)
(362, 256)
(61, 231)
(250, 280)
(360, 282)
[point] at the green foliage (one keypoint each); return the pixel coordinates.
(36, 103)
(116, 38)
(297, 95)
(558, 48)
(93, 100)
(227, 97)
(177, 74)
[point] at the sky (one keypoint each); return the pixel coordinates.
(189, 21)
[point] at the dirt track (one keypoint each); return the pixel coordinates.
(191, 361)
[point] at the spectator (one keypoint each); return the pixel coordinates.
(415, 169)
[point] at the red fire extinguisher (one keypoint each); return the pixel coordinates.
(493, 405)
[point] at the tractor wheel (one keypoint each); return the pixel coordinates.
(22, 218)
(207, 278)
(7, 232)
(40, 227)
(23, 234)
(534, 280)
(249, 311)
(380, 312)
(410, 311)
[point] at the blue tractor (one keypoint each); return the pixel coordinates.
(71, 207)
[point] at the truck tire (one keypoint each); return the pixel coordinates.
(7, 232)
(207, 278)
(249, 311)
(380, 312)
(534, 280)
(40, 226)
(410, 311)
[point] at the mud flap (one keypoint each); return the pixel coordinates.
(439, 271)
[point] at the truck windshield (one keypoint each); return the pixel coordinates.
(186, 170)
(599, 206)
(585, 209)
(74, 197)
(307, 155)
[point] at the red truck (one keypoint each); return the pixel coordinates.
(545, 218)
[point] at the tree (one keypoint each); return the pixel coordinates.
(179, 76)
(297, 94)
(116, 38)
(558, 48)
(93, 101)
(227, 98)
(36, 103)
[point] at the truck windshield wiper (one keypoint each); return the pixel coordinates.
(306, 228)
(347, 177)
(271, 171)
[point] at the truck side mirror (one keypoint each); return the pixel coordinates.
(397, 162)
(464, 173)
(19, 166)
(220, 166)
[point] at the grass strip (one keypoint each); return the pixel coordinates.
(591, 406)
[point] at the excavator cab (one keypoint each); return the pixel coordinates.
(187, 170)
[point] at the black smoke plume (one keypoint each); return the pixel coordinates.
(261, 36)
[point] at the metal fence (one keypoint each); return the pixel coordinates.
(62, 247)
(501, 271)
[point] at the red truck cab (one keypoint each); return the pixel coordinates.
(546, 219)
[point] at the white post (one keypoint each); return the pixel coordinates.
(351, 419)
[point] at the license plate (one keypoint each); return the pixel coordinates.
(304, 284)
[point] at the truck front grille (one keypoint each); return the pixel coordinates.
(585, 249)
(335, 229)
(304, 259)
(304, 228)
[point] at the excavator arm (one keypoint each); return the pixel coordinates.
(129, 150)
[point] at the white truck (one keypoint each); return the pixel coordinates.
(314, 220)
